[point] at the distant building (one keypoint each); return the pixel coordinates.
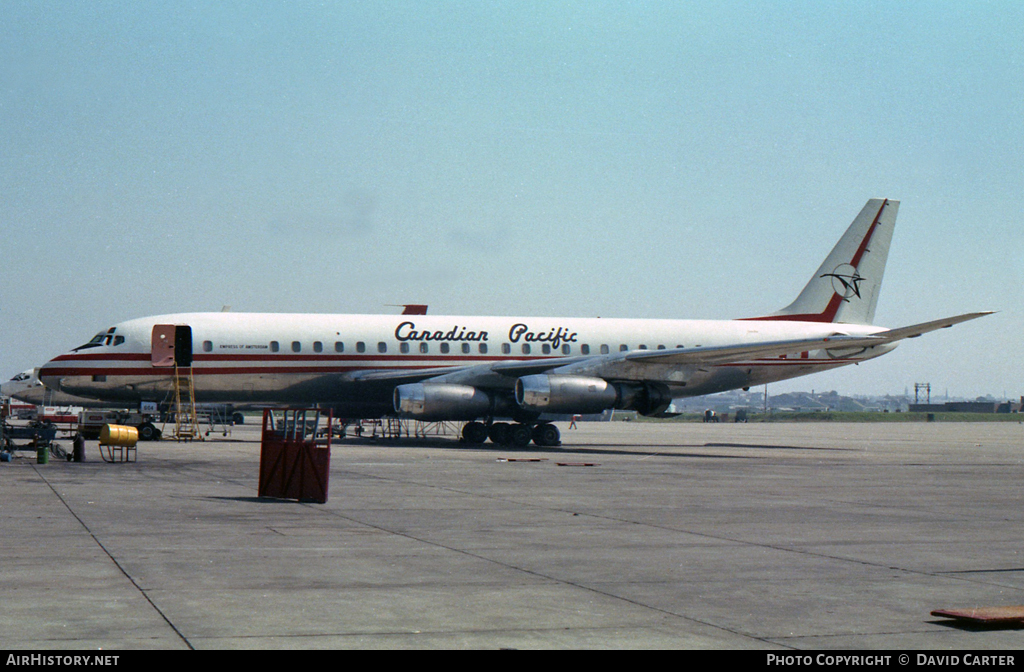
(969, 407)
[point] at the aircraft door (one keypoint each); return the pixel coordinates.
(183, 345)
(162, 350)
(171, 345)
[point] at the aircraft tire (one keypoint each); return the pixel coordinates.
(519, 435)
(546, 435)
(474, 432)
(499, 432)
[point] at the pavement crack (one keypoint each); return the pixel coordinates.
(117, 564)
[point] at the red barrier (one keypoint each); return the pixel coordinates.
(294, 462)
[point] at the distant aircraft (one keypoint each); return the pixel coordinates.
(484, 369)
(27, 387)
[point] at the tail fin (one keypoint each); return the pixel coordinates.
(845, 288)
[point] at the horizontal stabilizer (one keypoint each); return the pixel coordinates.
(916, 330)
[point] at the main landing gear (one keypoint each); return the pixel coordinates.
(512, 434)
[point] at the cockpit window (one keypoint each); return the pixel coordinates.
(96, 341)
(102, 338)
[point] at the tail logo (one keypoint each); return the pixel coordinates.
(845, 281)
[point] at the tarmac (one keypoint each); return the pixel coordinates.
(788, 536)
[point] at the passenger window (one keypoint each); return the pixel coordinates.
(207, 346)
(566, 349)
(584, 349)
(483, 348)
(623, 348)
(526, 348)
(546, 348)
(339, 346)
(604, 349)
(318, 346)
(296, 346)
(360, 346)
(465, 348)
(661, 347)
(382, 347)
(506, 348)
(445, 348)
(424, 347)
(274, 346)
(404, 348)
(643, 347)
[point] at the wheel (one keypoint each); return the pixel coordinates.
(474, 432)
(546, 435)
(519, 435)
(147, 432)
(499, 433)
(237, 419)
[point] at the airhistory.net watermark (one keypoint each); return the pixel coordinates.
(50, 660)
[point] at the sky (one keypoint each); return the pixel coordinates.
(550, 158)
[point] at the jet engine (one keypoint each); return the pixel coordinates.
(565, 394)
(444, 401)
(651, 399)
(552, 393)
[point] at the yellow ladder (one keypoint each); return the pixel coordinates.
(186, 422)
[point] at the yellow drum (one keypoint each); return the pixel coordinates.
(119, 435)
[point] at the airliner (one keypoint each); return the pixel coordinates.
(27, 387)
(488, 371)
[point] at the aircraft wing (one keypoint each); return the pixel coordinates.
(516, 369)
(405, 376)
(504, 374)
(467, 374)
(730, 353)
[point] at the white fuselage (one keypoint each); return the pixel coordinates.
(334, 359)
